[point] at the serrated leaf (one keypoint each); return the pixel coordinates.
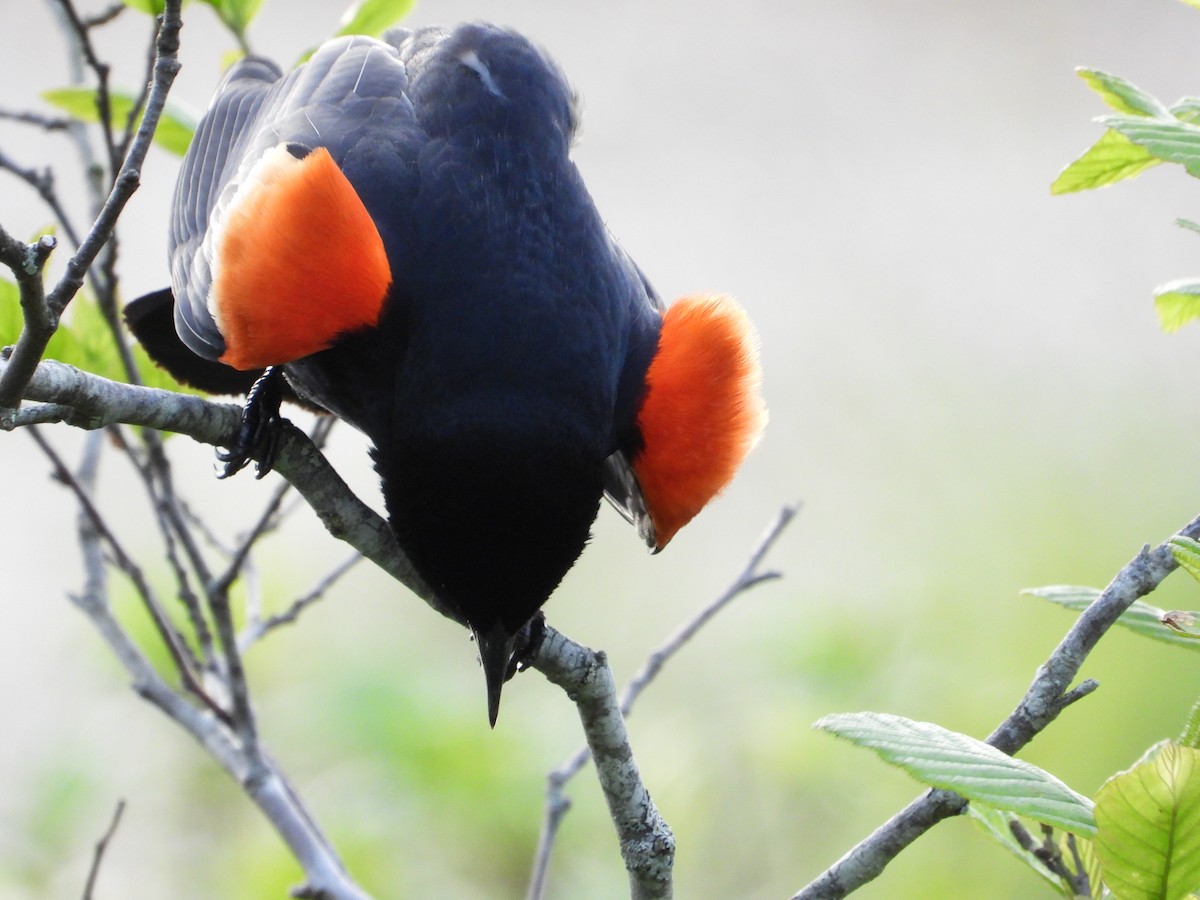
(1185, 550)
(1190, 737)
(175, 127)
(978, 771)
(1111, 159)
(1177, 303)
(1188, 224)
(1148, 821)
(1141, 617)
(373, 17)
(1167, 138)
(1121, 95)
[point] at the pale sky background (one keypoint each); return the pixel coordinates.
(968, 387)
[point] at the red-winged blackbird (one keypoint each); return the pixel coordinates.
(398, 228)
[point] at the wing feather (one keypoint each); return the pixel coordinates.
(352, 89)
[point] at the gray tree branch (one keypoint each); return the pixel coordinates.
(1047, 696)
(90, 401)
(647, 844)
(557, 802)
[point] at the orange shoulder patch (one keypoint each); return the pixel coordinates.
(297, 261)
(703, 411)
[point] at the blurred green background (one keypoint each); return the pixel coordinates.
(968, 392)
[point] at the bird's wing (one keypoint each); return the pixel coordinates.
(622, 490)
(275, 248)
(220, 135)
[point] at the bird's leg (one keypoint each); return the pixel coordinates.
(258, 435)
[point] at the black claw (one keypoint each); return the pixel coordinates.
(528, 644)
(259, 434)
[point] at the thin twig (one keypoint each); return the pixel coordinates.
(139, 102)
(223, 582)
(104, 16)
(161, 485)
(186, 594)
(101, 70)
(34, 336)
(28, 117)
(749, 577)
(270, 791)
(235, 679)
(257, 629)
(557, 803)
(1047, 696)
(42, 181)
(101, 846)
(174, 642)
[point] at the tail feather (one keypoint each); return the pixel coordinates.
(152, 320)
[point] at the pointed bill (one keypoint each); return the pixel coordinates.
(495, 653)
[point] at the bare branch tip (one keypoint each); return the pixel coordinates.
(1077, 693)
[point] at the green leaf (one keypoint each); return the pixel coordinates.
(83, 340)
(236, 14)
(1112, 158)
(1188, 224)
(373, 17)
(231, 56)
(77, 102)
(1148, 821)
(1167, 138)
(175, 128)
(11, 318)
(1121, 95)
(1141, 617)
(977, 771)
(151, 7)
(1191, 729)
(1177, 303)
(95, 350)
(1187, 109)
(1187, 554)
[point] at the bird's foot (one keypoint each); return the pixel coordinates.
(258, 435)
(528, 644)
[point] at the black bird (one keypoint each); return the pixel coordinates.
(396, 227)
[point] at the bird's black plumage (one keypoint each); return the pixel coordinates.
(501, 382)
